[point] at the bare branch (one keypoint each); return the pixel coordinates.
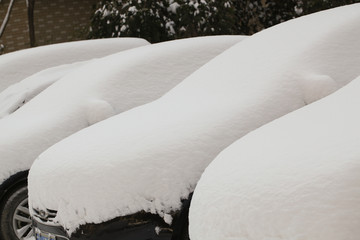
(6, 19)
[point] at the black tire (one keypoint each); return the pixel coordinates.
(15, 203)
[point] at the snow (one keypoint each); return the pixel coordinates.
(18, 65)
(295, 178)
(22, 92)
(173, 6)
(152, 156)
(98, 90)
(132, 9)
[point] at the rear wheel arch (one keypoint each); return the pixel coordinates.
(12, 189)
(12, 183)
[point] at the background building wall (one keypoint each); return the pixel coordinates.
(16, 34)
(55, 21)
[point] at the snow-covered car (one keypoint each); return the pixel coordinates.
(130, 176)
(91, 93)
(295, 178)
(18, 65)
(18, 94)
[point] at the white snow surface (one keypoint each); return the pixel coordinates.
(22, 92)
(152, 156)
(18, 65)
(292, 179)
(98, 90)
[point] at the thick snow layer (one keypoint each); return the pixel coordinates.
(18, 65)
(150, 157)
(22, 92)
(295, 178)
(98, 90)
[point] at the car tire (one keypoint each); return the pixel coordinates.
(15, 221)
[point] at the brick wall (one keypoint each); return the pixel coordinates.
(16, 34)
(55, 21)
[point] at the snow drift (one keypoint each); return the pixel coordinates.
(18, 65)
(295, 178)
(151, 157)
(98, 90)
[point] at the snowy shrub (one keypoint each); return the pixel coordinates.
(105, 20)
(256, 15)
(311, 6)
(144, 18)
(200, 17)
(162, 20)
(132, 18)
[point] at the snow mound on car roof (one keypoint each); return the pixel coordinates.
(97, 91)
(151, 157)
(295, 178)
(18, 65)
(22, 92)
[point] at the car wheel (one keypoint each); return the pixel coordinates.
(15, 221)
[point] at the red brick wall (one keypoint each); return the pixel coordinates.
(55, 21)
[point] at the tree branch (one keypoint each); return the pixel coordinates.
(6, 19)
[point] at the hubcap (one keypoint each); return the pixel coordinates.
(22, 221)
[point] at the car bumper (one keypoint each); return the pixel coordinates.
(139, 227)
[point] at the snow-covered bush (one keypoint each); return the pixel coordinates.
(255, 15)
(163, 19)
(104, 20)
(198, 18)
(137, 18)
(170, 19)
